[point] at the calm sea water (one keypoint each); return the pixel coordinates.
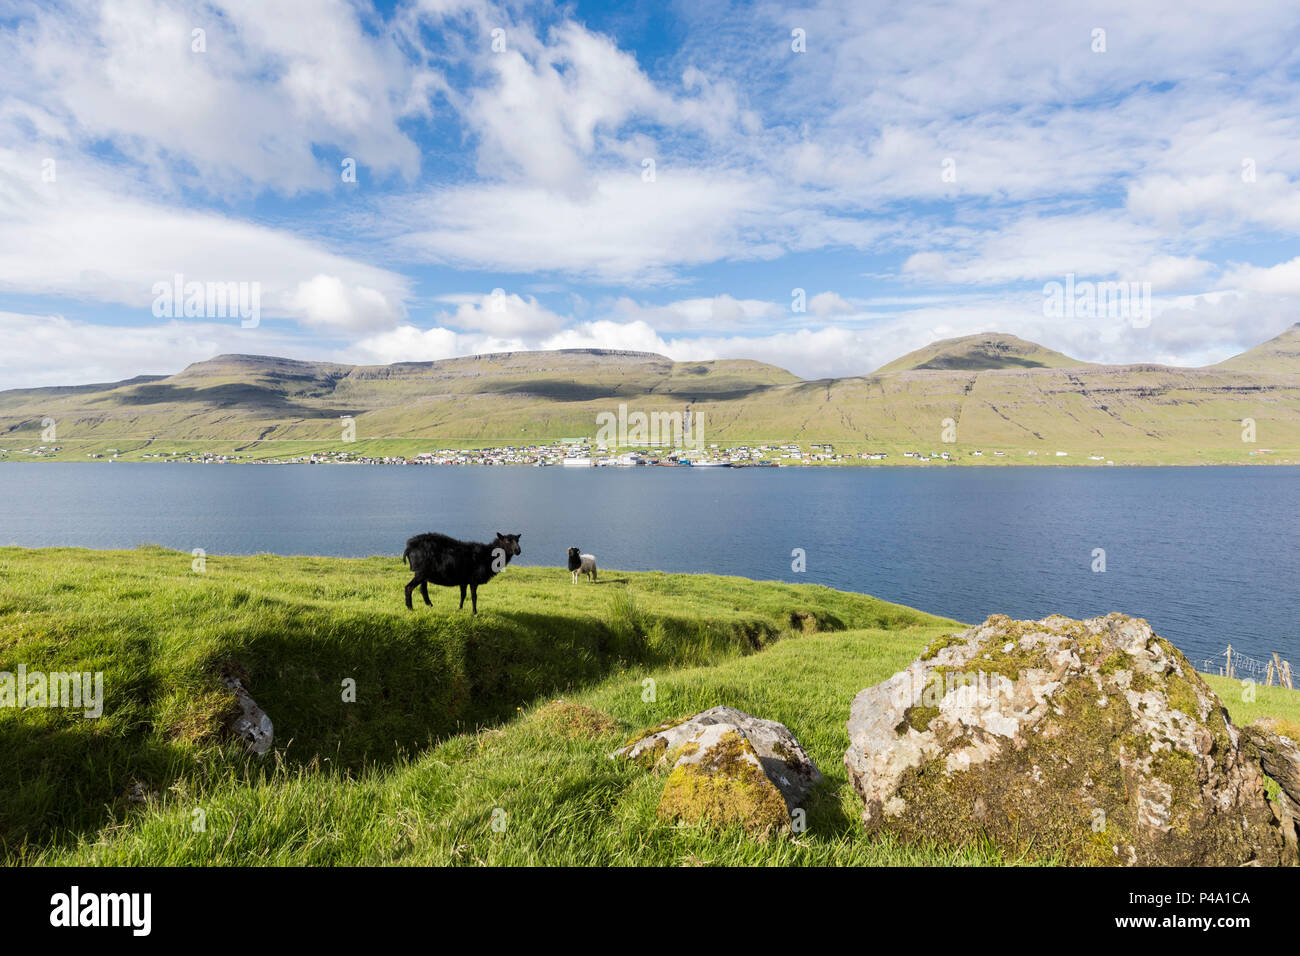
(1207, 555)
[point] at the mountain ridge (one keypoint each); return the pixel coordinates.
(981, 351)
(976, 352)
(1142, 412)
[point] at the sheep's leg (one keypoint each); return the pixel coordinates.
(409, 588)
(473, 593)
(462, 598)
(424, 592)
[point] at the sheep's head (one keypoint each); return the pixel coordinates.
(510, 542)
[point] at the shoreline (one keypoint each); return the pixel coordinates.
(1045, 462)
(586, 451)
(146, 551)
(848, 464)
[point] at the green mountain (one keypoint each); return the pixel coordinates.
(996, 392)
(1280, 354)
(985, 350)
(512, 395)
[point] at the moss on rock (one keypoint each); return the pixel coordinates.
(918, 718)
(659, 746)
(728, 767)
(1182, 696)
(1106, 748)
(723, 784)
(939, 643)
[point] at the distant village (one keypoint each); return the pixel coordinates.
(569, 453)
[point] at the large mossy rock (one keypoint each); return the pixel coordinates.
(727, 767)
(1090, 742)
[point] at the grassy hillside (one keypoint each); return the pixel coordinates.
(509, 396)
(163, 635)
(1279, 354)
(983, 351)
(1001, 394)
(457, 722)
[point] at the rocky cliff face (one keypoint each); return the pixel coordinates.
(1085, 741)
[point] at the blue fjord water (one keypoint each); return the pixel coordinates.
(1207, 555)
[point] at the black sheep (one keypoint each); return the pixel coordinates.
(438, 559)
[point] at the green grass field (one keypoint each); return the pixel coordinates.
(455, 750)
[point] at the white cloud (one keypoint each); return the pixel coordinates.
(1036, 248)
(410, 344)
(1185, 330)
(85, 236)
(625, 230)
(1127, 164)
(1272, 199)
(1174, 272)
(828, 303)
(930, 265)
(327, 300)
(245, 112)
(549, 103)
(54, 350)
(698, 314)
(604, 334)
(501, 314)
(1281, 279)
(554, 105)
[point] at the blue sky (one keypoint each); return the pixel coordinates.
(920, 171)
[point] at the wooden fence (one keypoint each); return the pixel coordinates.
(1249, 668)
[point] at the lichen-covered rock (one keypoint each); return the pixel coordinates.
(1278, 745)
(728, 766)
(251, 725)
(718, 779)
(1084, 741)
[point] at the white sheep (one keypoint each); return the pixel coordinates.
(582, 564)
